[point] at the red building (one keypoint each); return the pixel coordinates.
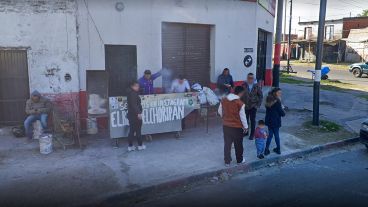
(353, 23)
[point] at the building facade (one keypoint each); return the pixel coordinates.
(336, 33)
(75, 48)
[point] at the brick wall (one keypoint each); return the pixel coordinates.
(354, 23)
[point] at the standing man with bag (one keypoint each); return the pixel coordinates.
(252, 99)
(234, 124)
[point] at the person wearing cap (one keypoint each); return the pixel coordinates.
(146, 82)
(37, 108)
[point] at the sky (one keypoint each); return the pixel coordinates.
(308, 10)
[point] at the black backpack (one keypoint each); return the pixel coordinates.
(18, 131)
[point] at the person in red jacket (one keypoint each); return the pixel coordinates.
(232, 111)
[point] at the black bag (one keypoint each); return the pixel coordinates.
(19, 131)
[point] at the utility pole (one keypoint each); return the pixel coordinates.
(276, 66)
(284, 33)
(289, 38)
(317, 77)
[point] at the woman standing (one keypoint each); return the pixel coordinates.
(274, 112)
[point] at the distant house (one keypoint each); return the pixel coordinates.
(336, 33)
(334, 47)
(357, 45)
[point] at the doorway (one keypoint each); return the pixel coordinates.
(121, 65)
(14, 86)
(261, 55)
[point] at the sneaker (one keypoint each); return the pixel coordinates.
(227, 164)
(261, 156)
(266, 152)
(143, 147)
(131, 149)
(277, 151)
(242, 162)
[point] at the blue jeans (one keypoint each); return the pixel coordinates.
(260, 145)
(28, 123)
(273, 131)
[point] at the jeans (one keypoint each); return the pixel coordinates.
(28, 123)
(273, 131)
(233, 135)
(135, 130)
(260, 145)
(251, 117)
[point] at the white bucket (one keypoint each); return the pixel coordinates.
(45, 144)
(92, 126)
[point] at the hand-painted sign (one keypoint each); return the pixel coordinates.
(161, 113)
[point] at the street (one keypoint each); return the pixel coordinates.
(335, 178)
(335, 74)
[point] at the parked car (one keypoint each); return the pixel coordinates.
(358, 69)
(364, 133)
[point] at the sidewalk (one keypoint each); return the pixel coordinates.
(99, 170)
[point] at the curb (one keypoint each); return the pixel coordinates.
(136, 194)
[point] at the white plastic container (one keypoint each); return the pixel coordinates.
(92, 126)
(37, 130)
(45, 144)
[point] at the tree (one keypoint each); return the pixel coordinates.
(364, 13)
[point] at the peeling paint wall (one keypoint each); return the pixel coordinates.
(47, 28)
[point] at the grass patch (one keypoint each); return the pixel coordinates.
(364, 97)
(336, 66)
(336, 85)
(325, 126)
(289, 79)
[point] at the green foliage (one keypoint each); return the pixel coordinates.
(325, 126)
(364, 13)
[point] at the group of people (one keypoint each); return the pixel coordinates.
(239, 108)
(144, 86)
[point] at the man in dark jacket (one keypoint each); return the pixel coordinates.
(37, 109)
(135, 117)
(252, 99)
(225, 82)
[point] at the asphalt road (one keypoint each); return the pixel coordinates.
(336, 74)
(331, 179)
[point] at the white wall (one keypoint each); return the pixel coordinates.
(338, 29)
(236, 27)
(48, 30)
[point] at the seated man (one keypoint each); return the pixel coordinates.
(180, 85)
(225, 82)
(37, 108)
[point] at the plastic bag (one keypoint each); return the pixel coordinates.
(212, 99)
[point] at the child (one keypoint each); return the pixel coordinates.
(261, 135)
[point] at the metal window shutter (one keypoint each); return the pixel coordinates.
(186, 51)
(14, 86)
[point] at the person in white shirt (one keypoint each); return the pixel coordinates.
(180, 85)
